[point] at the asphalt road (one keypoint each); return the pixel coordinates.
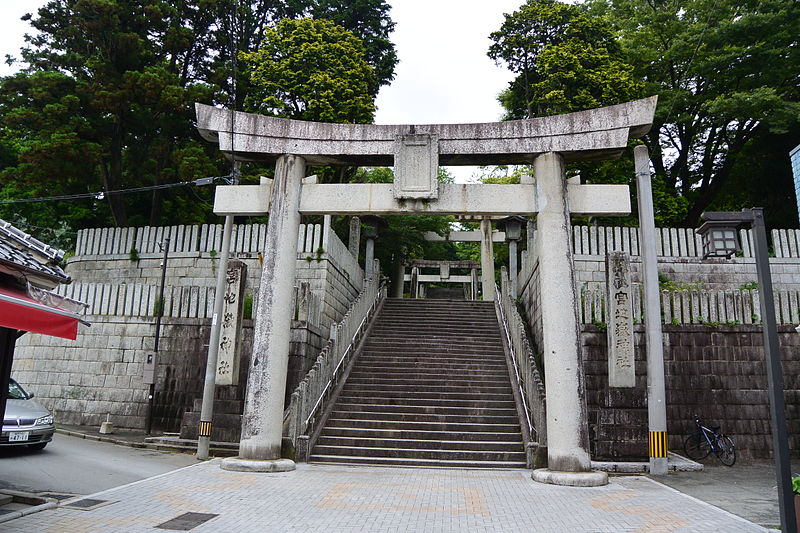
(80, 466)
(747, 489)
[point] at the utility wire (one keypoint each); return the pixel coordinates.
(99, 195)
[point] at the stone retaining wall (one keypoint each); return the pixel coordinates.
(717, 372)
(101, 373)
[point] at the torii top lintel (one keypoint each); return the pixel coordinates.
(593, 134)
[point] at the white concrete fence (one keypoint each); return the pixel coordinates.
(196, 239)
(107, 299)
(671, 242)
(311, 397)
(710, 307)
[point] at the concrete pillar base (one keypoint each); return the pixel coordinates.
(236, 464)
(594, 478)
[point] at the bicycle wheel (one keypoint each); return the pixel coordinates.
(696, 447)
(726, 450)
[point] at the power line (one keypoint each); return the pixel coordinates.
(100, 195)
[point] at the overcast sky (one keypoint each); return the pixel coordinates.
(444, 74)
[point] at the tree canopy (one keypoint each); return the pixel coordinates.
(727, 76)
(565, 60)
(105, 99)
(311, 70)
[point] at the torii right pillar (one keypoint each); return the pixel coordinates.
(567, 430)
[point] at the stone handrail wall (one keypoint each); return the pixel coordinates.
(528, 377)
(308, 401)
(713, 307)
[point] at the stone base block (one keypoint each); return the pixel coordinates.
(570, 479)
(236, 464)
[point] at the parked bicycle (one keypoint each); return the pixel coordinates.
(709, 439)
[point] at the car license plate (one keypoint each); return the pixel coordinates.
(18, 437)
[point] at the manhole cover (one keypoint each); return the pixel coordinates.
(87, 504)
(186, 521)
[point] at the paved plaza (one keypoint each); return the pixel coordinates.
(326, 498)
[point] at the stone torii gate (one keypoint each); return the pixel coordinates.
(415, 152)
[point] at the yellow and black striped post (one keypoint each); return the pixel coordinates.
(658, 444)
(204, 430)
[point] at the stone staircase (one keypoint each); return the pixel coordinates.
(431, 388)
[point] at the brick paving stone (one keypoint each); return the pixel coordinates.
(339, 499)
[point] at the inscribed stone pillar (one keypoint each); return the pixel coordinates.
(567, 431)
(369, 252)
(619, 298)
(354, 242)
(487, 260)
(398, 277)
(473, 274)
(260, 445)
(512, 266)
(230, 330)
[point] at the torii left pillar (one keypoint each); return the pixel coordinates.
(262, 420)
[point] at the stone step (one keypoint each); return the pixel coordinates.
(408, 425)
(440, 309)
(478, 410)
(471, 403)
(408, 434)
(428, 364)
(390, 416)
(431, 444)
(449, 323)
(439, 301)
(431, 388)
(421, 453)
(437, 345)
(426, 329)
(427, 395)
(463, 354)
(443, 379)
(487, 388)
(416, 462)
(400, 373)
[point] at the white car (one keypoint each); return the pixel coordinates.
(25, 423)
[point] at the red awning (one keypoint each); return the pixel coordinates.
(19, 311)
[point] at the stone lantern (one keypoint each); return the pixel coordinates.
(373, 223)
(513, 229)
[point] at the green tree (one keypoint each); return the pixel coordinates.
(368, 20)
(105, 101)
(106, 104)
(311, 70)
(727, 77)
(565, 60)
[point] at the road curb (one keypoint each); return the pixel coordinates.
(25, 497)
(160, 446)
